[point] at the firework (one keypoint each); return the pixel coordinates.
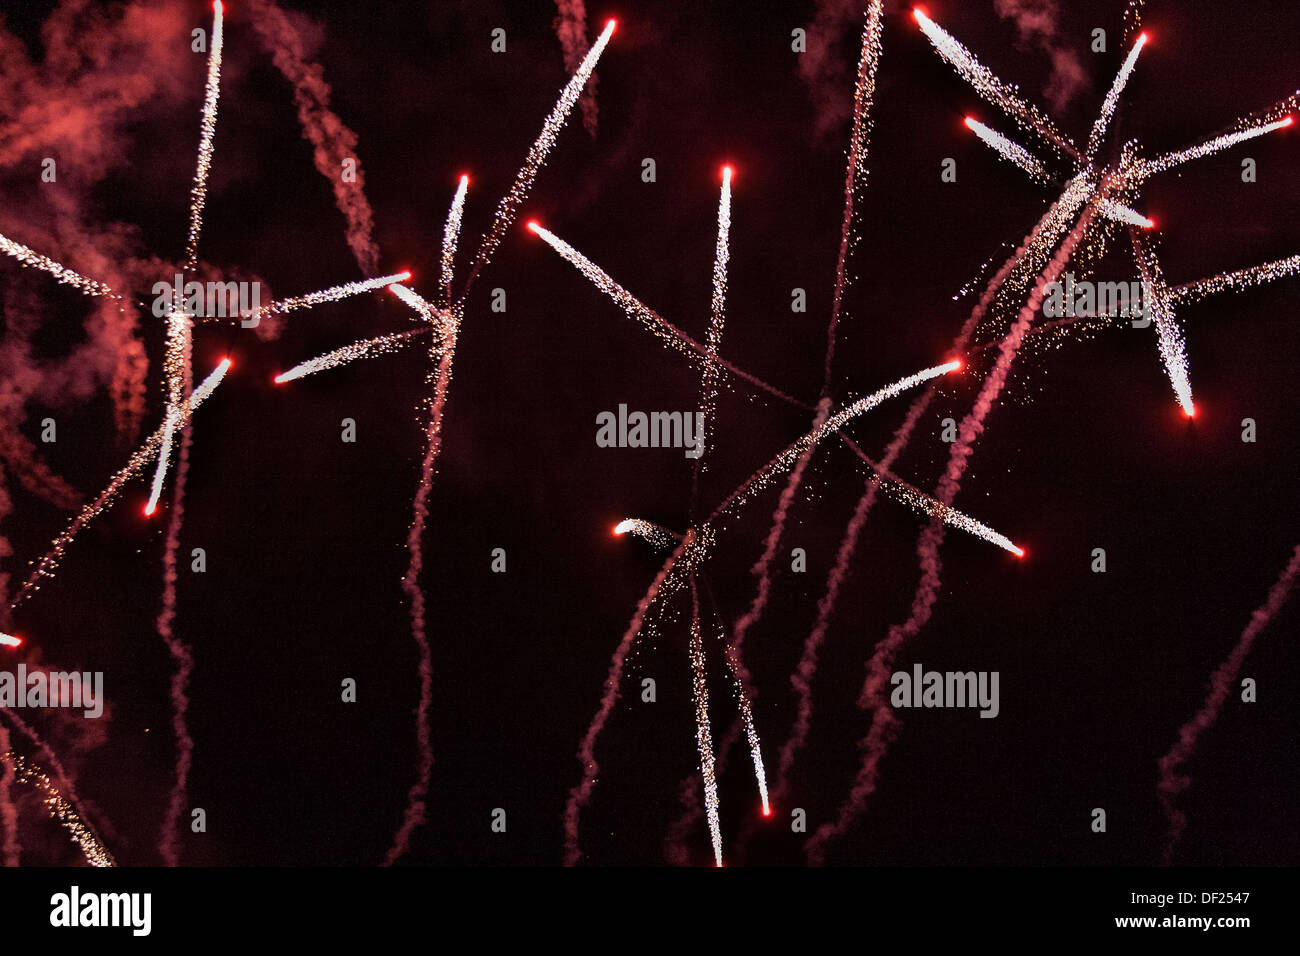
(832, 424)
(1121, 213)
(1172, 349)
(1007, 149)
(143, 455)
(656, 535)
(747, 721)
(669, 334)
(1002, 95)
(417, 303)
(541, 148)
(1240, 279)
(333, 294)
(61, 273)
(450, 233)
(1108, 105)
(703, 732)
(1149, 167)
(713, 341)
(8, 640)
(199, 192)
(368, 348)
(1222, 681)
(60, 810)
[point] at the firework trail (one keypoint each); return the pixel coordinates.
(1121, 213)
(367, 348)
(657, 535)
(176, 366)
(417, 303)
(1104, 117)
(1023, 256)
(747, 721)
(61, 273)
(443, 352)
(664, 583)
(1149, 167)
(9, 847)
(61, 810)
(199, 192)
(1240, 279)
(571, 29)
(711, 378)
(1008, 150)
(450, 233)
(786, 459)
(333, 143)
(536, 159)
(854, 174)
(1002, 95)
(333, 294)
(1172, 349)
(703, 732)
(884, 725)
(8, 640)
(143, 455)
(1172, 782)
(668, 333)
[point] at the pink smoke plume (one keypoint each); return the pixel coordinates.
(285, 35)
(1172, 782)
(9, 847)
(884, 725)
(1036, 24)
(444, 352)
(571, 28)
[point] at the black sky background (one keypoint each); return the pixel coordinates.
(305, 535)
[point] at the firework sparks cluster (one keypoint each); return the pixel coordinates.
(1099, 188)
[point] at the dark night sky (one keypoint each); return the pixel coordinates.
(305, 535)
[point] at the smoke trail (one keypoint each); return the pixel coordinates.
(169, 838)
(9, 847)
(571, 29)
(884, 725)
(333, 143)
(664, 583)
(444, 353)
(508, 208)
(143, 455)
(1036, 23)
(34, 475)
(1172, 783)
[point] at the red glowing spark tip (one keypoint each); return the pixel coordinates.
(533, 226)
(149, 510)
(1190, 411)
(918, 13)
(969, 121)
(1143, 37)
(464, 178)
(216, 5)
(278, 380)
(13, 640)
(1020, 552)
(1288, 121)
(767, 811)
(956, 365)
(611, 26)
(726, 172)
